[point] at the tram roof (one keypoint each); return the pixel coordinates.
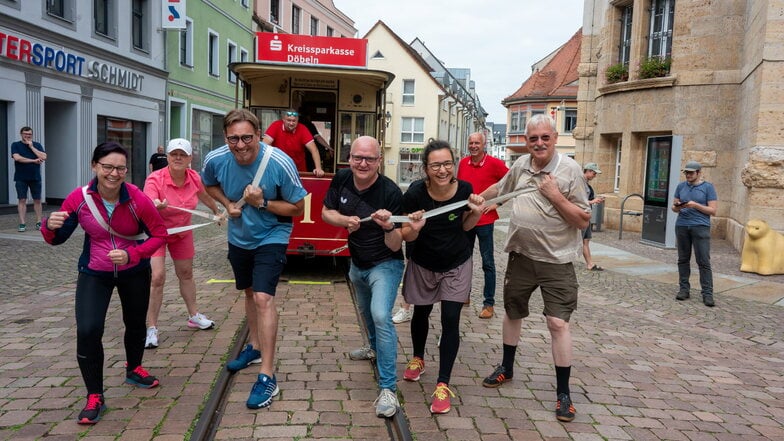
(256, 71)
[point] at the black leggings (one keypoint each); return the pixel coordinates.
(93, 294)
(450, 335)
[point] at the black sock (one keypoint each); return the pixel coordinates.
(508, 361)
(562, 374)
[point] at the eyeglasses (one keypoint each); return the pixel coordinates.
(292, 114)
(534, 139)
(108, 168)
(357, 159)
(234, 139)
(437, 165)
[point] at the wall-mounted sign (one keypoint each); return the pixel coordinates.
(309, 50)
(19, 48)
(173, 14)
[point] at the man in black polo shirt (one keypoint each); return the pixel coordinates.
(376, 256)
(158, 160)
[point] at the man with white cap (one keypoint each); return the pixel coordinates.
(695, 201)
(590, 170)
(176, 185)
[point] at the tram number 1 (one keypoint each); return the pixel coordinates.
(306, 218)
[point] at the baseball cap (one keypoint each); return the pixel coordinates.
(593, 167)
(179, 144)
(692, 166)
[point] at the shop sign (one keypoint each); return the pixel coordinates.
(173, 14)
(310, 50)
(18, 48)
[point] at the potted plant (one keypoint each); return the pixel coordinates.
(616, 73)
(654, 67)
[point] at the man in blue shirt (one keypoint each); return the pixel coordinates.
(695, 202)
(28, 156)
(259, 233)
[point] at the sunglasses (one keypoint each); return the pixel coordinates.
(292, 114)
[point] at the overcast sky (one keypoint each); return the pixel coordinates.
(498, 40)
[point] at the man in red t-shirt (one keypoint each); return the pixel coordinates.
(482, 171)
(293, 138)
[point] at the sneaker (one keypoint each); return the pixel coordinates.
(247, 357)
(152, 338)
(682, 295)
(93, 410)
(386, 403)
(139, 377)
(22, 228)
(414, 369)
(564, 409)
(363, 353)
(200, 321)
(487, 312)
(403, 315)
(497, 378)
(262, 392)
(37, 226)
(442, 402)
(708, 301)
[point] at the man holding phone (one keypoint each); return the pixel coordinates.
(695, 201)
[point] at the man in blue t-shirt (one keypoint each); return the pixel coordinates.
(258, 234)
(695, 202)
(28, 156)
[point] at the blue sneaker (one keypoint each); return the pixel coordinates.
(247, 357)
(263, 390)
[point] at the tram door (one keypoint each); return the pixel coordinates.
(318, 107)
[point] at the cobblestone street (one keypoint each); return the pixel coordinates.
(645, 366)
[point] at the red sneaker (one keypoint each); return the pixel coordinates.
(414, 369)
(139, 377)
(442, 403)
(92, 411)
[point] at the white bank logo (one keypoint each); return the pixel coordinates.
(276, 45)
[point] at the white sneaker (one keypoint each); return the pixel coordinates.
(403, 315)
(386, 403)
(152, 338)
(200, 321)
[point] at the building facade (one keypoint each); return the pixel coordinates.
(424, 101)
(304, 17)
(80, 73)
(551, 89)
(201, 88)
(709, 75)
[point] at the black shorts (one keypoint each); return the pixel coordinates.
(260, 267)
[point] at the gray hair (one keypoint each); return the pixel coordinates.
(540, 120)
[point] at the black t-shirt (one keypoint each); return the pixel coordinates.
(158, 161)
(442, 244)
(366, 245)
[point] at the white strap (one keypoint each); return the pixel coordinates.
(454, 205)
(259, 173)
(210, 216)
(97, 215)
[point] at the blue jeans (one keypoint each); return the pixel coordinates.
(699, 238)
(376, 290)
(485, 234)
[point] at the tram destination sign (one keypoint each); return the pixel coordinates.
(309, 50)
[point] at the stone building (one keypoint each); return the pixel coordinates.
(709, 74)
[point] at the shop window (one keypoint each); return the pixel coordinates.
(206, 134)
(133, 136)
(410, 165)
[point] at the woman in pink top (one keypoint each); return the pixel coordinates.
(176, 186)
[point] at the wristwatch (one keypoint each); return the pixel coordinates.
(389, 230)
(263, 204)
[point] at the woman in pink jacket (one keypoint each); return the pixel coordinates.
(111, 212)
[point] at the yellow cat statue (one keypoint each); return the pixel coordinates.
(763, 250)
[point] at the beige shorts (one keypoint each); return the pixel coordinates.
(557, 281)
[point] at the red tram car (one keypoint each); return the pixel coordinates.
(342, 102)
